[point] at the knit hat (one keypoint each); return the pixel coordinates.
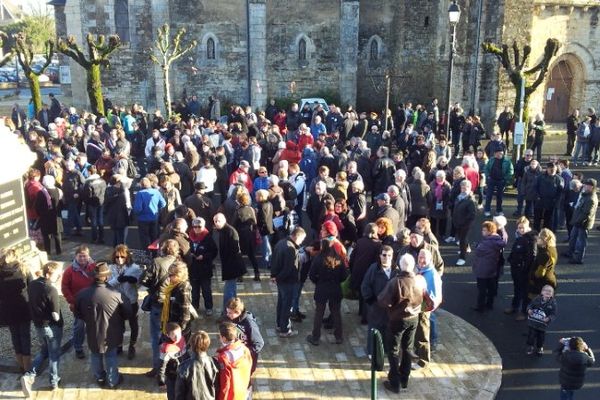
(330, 228)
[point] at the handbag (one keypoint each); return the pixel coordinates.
(146, 303)
(347, 292)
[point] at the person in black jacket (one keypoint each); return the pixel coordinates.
(94, 190)
(327, 272)
(264, 224)
(203, 251)
(72, 185)
(116, 213)
(178, 299)
(14, 311)
(232, 263)
(44, 304)
(244, 221)
(249, 331)
(197, 376)
(104, 311)
(285, 271)
(48, 205)
(383, 171)
(521, 259)
(574, 356)
(365, 253)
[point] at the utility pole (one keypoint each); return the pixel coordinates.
(387, 99)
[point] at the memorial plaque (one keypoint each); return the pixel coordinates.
(13, 219)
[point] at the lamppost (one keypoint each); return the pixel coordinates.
(453, 17)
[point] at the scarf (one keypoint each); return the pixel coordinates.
(439, 190)
(164, 315)
(79, 269)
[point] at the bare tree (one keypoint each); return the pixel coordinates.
(99, 51)
(24, 50)
(167, 51)
(8, 56)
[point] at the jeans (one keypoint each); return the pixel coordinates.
(106, 366)
(50, 338)
(578, 242)
(520, 201)
(487, 288)
(456, 140)
(229, 291)
(20, 335)
(296, 299)
(96, 216)
(134, 324)
(400, 338)
(78, 334)
(580, 149)
(537, 147)
(204, 286)
(566, 394)
(433, 330)
(73, 218)
(497, 187)
(285, 296)
(266, 250)
(594, 150)
(148, 232)
(155, 334)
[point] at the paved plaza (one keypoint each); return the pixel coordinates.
(466, 364)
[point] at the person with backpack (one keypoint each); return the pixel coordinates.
(94, 190)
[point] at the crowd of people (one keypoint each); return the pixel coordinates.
(300, 194)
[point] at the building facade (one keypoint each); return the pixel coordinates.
(251, 50)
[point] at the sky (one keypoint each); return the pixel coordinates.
(33, 4)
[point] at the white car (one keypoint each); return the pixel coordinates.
(311, 103)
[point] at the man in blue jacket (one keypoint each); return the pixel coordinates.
(147, 205)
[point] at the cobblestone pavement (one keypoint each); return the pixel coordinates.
(466, 364)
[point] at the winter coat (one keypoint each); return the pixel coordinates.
(542, 271)
(50, 221)
(527, 184)
(249, 333)
(156, 277)
(572, 367)
(584, 212)
(365, 253)
(548, 189)
(487, 257)
(327, 281)
(387, 211)
(104, 311)
(522, 253)
(506, 168)
(285, 265)
(179, 306)
(115, 208)
(541, 309)
(434, 210)
(383, 174)
(14, 308)
(74, 281)
(72, 184)
(202, 245)
(232, 263)
(196, 378)
(147, 205)
(43, 302)
(374, 282)
(234, 363)
(464, 212)
(264, 218)
(403, 296)
(419, 192)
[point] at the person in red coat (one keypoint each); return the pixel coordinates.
(241, 175)
(234, 363)
(291, 153)
(78, 276)
(305, 138)
(32, 187)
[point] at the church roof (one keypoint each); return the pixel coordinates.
(57, 3)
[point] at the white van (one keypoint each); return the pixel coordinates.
(311, 103)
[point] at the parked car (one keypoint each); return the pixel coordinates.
(312, 101)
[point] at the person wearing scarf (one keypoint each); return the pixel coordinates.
(177, 299)
(48, 205)
(439, 199)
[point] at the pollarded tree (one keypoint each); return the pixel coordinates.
(99, 51)
(518, 72)
(25, 51)
(168, 51)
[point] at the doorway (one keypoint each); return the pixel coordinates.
(558, 92)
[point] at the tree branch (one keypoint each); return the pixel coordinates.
(517, 54)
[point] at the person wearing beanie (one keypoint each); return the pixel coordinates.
(104, 311)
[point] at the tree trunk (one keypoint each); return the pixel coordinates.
(34, 87)
(166, 87)
(517, 108)
(94, 89)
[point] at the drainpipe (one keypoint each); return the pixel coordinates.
(477, 49)
(248, 64)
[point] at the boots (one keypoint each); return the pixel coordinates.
(131, 351)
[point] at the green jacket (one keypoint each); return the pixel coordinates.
(584, 213)
(507, 170)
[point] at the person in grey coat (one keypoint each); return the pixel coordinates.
(373, 283)
(104, 311)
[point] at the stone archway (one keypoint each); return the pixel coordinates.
(564, 88)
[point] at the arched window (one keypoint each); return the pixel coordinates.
(210, 49)
(302, 50)
(374, 55)
(122, 19)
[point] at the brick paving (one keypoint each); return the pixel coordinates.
(465, 366)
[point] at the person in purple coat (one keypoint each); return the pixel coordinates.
(488, 264)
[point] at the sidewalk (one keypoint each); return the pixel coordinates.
(466, 364)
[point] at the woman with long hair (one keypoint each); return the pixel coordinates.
(327, 272)
(177, 299)
(125, 276)
(244, 221)
(542, 272)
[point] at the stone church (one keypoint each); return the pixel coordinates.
(251, 50)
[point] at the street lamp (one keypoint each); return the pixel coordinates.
(453, 18)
